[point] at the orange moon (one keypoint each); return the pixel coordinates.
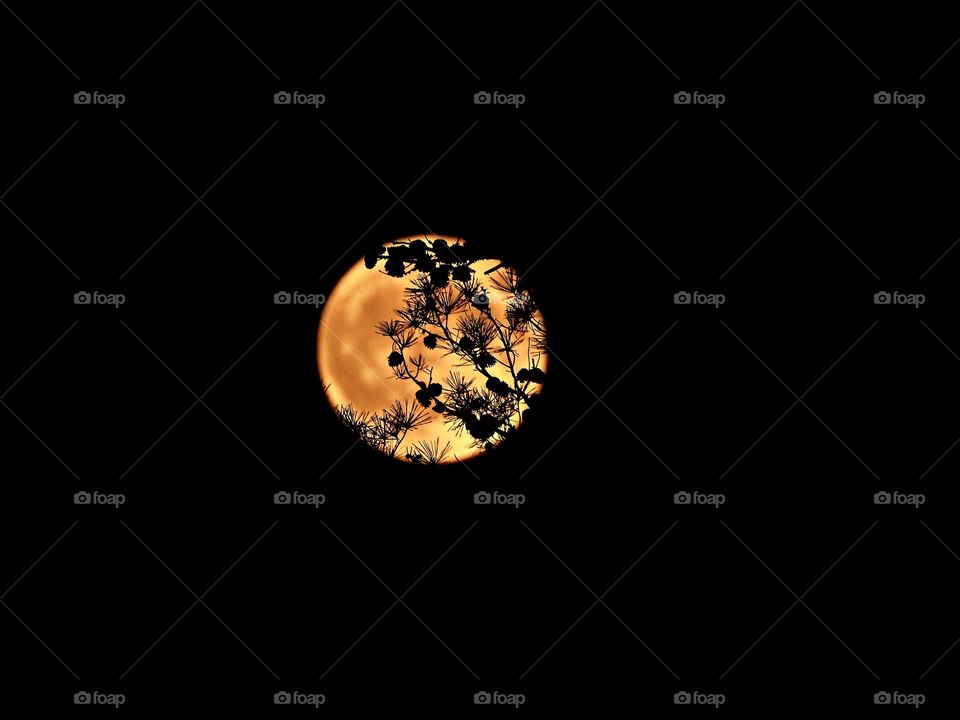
(352, 357)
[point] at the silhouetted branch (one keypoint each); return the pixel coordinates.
(447, 308)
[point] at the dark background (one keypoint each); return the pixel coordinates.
(702, 199)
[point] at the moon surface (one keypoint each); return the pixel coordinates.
(352, 357)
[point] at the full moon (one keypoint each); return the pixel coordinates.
(428, 356)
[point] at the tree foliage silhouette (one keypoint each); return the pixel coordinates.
(447, 308)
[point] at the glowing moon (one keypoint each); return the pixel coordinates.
(355, 371)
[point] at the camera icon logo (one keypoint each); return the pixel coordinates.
(282, 98)
(481, 698)
(681, 698)
(282, 698)
(882, 98)
(82, 698)
(81, 498)
(881, 698)
(482, 498)
(82, 298)
(82, 98)
(882, 498)
(882, 298)
(282, 298)
(681, 298)
(482, 98)
(682, 98)
(681, 498)
(282, 498)
(481, 298)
